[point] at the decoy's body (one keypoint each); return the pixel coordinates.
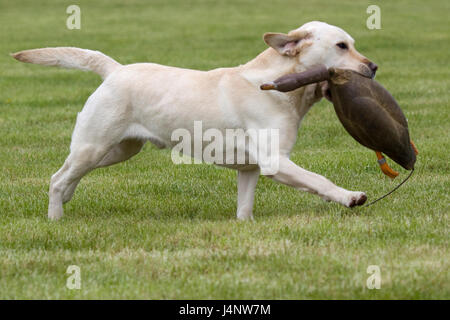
(366, 109)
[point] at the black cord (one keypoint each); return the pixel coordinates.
(391, 190)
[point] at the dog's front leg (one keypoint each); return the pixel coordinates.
(246, 193)
(291, 174)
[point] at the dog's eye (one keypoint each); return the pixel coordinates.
(342, 45)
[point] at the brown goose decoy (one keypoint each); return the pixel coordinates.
(365, 108)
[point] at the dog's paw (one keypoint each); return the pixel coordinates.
(356, 199)
(55, 212)
(245, 217)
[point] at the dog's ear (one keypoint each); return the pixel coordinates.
(286, 44)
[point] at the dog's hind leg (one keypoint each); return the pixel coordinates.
(99, 130)
(119, 153)
(80, 161)
(122, 152)
(68, 194)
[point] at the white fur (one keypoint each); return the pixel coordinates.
(71, 58)
(147, 102)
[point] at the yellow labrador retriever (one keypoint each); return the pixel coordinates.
(147, 102)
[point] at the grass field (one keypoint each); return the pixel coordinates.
(149, 229)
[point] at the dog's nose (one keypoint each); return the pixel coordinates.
(373, 67)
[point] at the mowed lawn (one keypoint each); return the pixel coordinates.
(148, 229)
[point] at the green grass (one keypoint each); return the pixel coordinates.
(149, 229)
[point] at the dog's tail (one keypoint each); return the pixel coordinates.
(72, 58)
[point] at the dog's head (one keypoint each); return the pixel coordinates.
(317, 43)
